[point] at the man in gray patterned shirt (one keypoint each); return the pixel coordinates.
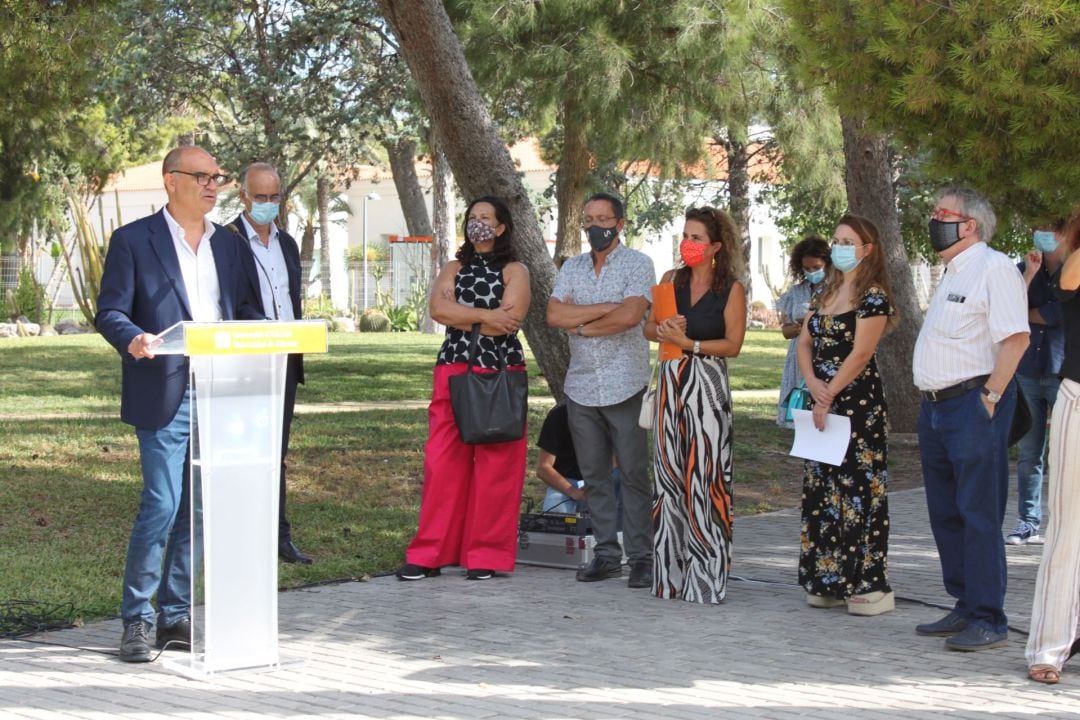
(600, 299)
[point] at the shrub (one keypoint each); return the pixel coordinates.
(402, 318)
(28, 298)
(374, 320)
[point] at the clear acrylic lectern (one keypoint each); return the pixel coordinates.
(237, 376)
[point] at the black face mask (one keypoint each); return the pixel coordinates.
(943, 235)
(600, 238)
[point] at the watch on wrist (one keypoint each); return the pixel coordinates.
(697, 347)
(577, 330)
(991, 397)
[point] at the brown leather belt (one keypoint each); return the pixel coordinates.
(954, 391)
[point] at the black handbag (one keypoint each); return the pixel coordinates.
(1021, 419)
(489, 407)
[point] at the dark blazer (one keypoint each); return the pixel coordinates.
(142, 290)
(291, 251)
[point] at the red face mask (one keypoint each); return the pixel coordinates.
(692, 253)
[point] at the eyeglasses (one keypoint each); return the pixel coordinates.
(598, 220)
(943, 215)
(275, 198)
(203, 179)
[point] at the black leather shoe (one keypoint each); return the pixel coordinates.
(291, 554)
(640, 574)
(951, 624)
(177, 635)
(135, 645)
(600, 569)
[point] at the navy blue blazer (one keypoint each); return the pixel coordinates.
(142, 290)
(291, 251)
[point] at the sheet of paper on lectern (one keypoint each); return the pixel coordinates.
(829, 445)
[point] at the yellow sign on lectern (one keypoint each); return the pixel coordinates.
(255, 338)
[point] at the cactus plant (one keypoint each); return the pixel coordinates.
(374, 320)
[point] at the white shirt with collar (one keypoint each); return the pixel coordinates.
(981, 301)
(198, 271)
(273, 272)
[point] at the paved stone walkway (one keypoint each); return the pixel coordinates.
(537, 644)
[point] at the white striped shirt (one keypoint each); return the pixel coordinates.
(981, 301)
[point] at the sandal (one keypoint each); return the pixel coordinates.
(1047, 674)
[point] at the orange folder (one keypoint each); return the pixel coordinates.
(664, 307)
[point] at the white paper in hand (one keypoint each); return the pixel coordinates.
(829, 445)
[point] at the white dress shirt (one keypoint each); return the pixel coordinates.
(273, 273)
(198, 271)
(981, 301)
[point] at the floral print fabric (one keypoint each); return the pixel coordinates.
(845, 510)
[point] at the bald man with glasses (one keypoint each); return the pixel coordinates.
(171, 266)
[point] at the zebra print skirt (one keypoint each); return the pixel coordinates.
(692, 459)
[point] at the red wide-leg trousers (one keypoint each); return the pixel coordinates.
(472, 493)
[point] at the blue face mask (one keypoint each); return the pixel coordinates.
(263, 213)
(814, 276)
(843, 257)
(1045, 241)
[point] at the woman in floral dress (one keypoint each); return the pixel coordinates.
(845, 512)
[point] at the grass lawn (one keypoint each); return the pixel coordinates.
(70, 486)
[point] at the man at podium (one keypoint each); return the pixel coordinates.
(171, 266)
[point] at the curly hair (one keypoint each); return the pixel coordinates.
(504, 244)
(810, 246)
(727, 265)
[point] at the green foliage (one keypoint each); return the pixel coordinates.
(85, 277)
(55, 125)
(29, 298)
(988, 89)
(321, 307)
(293, 82)
(374, 320)
(402, 318)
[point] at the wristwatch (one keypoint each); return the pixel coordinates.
(991, 397)
(697, 347)
(577, 330)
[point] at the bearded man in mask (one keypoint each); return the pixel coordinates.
(974, 334)
(600, 299)
(271, 262)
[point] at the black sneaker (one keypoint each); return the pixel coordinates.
(1024, 534)
(409, 571)
(177, 636)
(479, 574)
(640, 574)
(135, 643)
(600, 569)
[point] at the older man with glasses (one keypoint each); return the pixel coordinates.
(171, 266)
(971, 341)
(271, 261)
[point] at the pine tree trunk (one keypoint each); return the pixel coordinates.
(478, 157)
(307, 243)
(402, 154)
(322, 195)
(869, 179)
(570, 183)
(738, 162)
(442, 185)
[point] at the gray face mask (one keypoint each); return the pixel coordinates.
(600, 238)
(943, 235)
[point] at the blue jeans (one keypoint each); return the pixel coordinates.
(162, 530)
(965, 465)
(1039, 393)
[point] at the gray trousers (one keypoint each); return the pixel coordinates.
(597, 433)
